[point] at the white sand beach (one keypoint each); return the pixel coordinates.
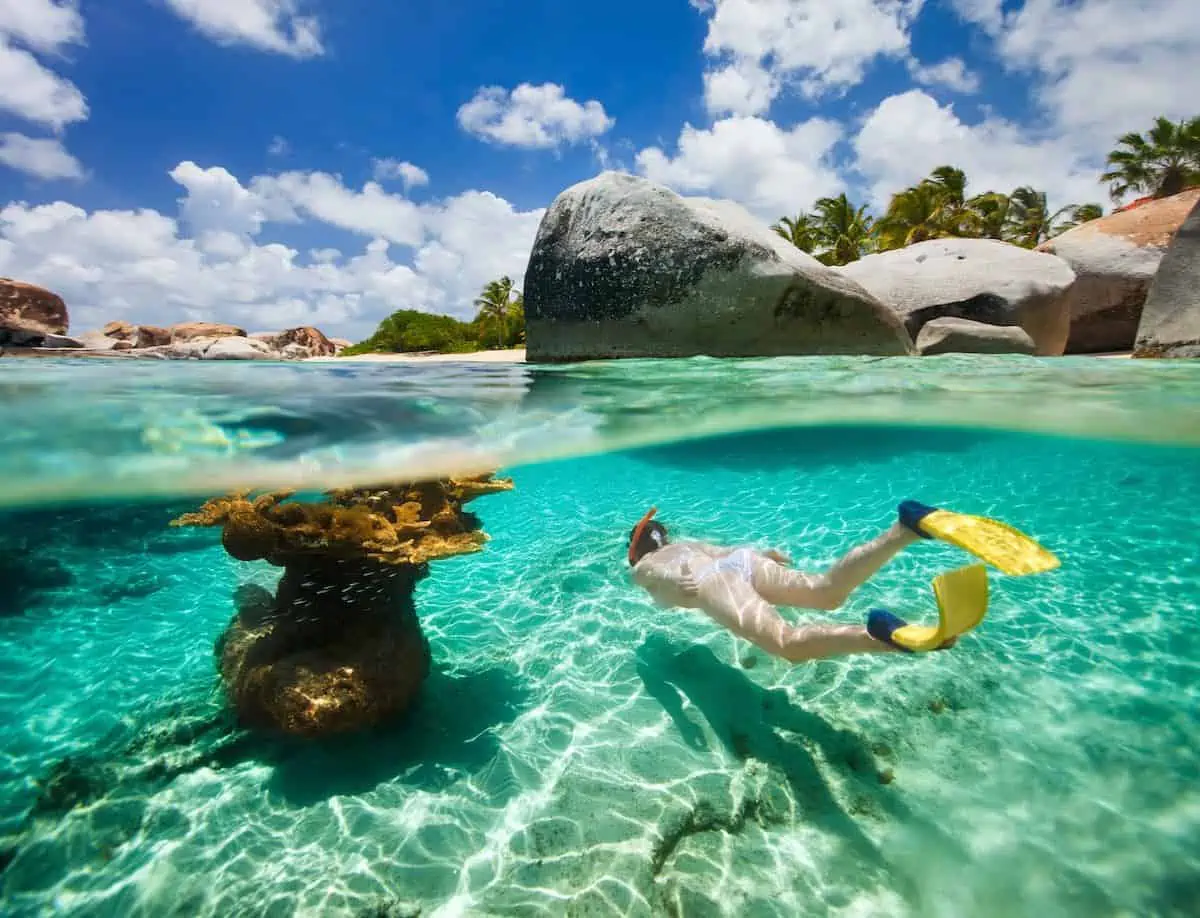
(516, 355)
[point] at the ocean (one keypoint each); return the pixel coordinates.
(577, 750)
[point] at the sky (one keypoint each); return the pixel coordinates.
(275, 163)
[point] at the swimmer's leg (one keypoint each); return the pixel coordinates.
(784, 587)
(732, 602)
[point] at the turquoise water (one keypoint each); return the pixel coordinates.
(579, 751)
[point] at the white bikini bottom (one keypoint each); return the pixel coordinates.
(740, 562)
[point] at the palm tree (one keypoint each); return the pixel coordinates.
(1077, 214)
(954, 214)
(1029, 220)
(1163, 163)
(800, 231)
(989, 214)
(914, 215)
(843, 231)
(495, 304)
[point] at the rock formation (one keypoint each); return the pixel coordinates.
(28, 314)
(311, 340)
(983, 280)
(962, 336)
(1170, 325)
(1115, 259)
(623, 267)
(137, 335)
(186, 331)
(339, 646)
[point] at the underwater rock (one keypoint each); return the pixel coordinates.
(623, 267)
(26, 577)
(984, 280)
(1115, 259)
(29, 313)
(962, 336)
(338, 647)
(1170, 325)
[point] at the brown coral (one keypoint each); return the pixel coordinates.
(339, 646)
(395, 524)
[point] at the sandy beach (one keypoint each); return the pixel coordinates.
(516, 355)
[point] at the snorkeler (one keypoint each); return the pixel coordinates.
(740, 588)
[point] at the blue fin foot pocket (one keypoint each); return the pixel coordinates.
(911, 512)
(881, 624)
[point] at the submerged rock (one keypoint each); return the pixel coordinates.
(1170, 325)
(338, 647)
(623, 267)
(1115, 259)
(962, 336)
(983, 280)
(28, 314)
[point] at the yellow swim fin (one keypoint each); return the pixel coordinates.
(993, 542)
(962, 599)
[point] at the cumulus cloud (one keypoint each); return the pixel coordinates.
(910, 134)
(758, 46)
(771, 170)
(210, 262)
(43, 158)
(406, 173)
(951, 73)
(534, 117)
(28, 88)
(268, 25)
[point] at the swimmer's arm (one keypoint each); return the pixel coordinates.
(662, 582)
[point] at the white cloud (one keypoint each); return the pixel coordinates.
(33, 91)
(370, 212)
(279, 146)
(1106, 66)
(951, 73)
(741, 88)
(770, 170)
(409, 175)
(42, 25)
(826, 45)
(910, 134)
(535, 117)
(43, 158)
(269, 25)
(986, 13)
(209, 264)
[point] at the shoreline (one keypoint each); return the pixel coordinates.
(513, 355)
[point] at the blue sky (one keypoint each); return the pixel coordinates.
(284, 162)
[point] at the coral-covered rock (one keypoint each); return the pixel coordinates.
(186, 331)
(29, 313)
(339, 646)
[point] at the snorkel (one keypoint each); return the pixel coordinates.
(637, 534)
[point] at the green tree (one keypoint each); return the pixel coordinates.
(495, 305)
(408, 330)
(800, 231)
(1076, 215)
(914, 215)
(843, 231)
(1029, 220)
(989, 214)
(1163, 162)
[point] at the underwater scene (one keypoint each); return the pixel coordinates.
(559, 743)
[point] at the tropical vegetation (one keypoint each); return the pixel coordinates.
(499, 324)
(1163, 162)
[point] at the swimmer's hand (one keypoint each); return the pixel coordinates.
(778, 557)
(687, 583)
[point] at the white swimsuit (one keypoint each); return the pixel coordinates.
(740, 562)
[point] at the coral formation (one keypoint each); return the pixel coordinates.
(339, 646)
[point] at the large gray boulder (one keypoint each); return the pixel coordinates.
(623, 267)
(984, 280)
(962, 336)
(1170, 324)
(1115, 259)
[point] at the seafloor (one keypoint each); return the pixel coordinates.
(580, 752)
